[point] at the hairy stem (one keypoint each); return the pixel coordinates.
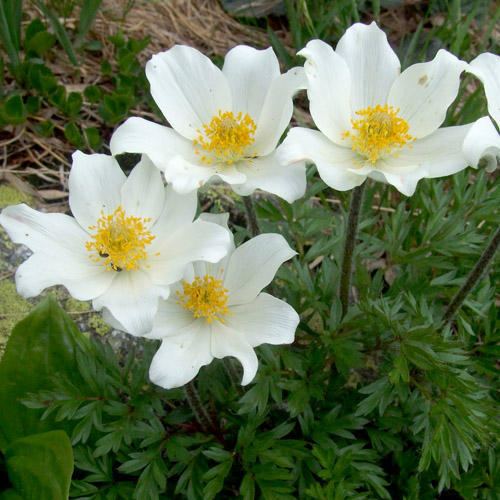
(253, 224)
(350, 243)
(232, 372)
(201, 414)
(474, 276)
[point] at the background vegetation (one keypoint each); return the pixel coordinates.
(389, 402)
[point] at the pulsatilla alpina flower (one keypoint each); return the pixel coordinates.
(219, 310)
(483, 140)
(373, 120)
(130, 239)
(226, 123)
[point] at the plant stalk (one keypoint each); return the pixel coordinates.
(350, 243)
(253, 224)
(474, 276)
(201, 414)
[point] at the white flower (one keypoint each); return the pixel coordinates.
(483, 140)
(375, 121)
(218, 310)
(226, 123)
(130, 238)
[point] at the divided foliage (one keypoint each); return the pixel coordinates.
(387, 403)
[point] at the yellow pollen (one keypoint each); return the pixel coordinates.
(226, 138)
(205, 297)
(119, 241)
(378, 132)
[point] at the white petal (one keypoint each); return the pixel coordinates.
(252, 266)
(228, 342)
(328, 89)
(133, 300)
(197, 241)
(180, 357)
(186, 176)
(188, 88)
(266, 320)
(143, 194)
(424, 91)
(160, 143)
(372, 63)
(83, 280)
(277, 110)
(60, 255)
(94, 184)
(335, 164)
(170, 319)
(179, 211)
(250, 73)
(487, 68)
(269, 174)
(483, 141)
(437, 155)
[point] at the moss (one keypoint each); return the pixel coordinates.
(99, 325)
(11, 196)
(13, 308)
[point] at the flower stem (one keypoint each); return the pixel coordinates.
(231, 371)
(253, 224)
(474, 276)
(201, 414)
(350, 242)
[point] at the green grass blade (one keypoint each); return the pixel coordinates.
(87, 16)
(60, 32)
(10, 26)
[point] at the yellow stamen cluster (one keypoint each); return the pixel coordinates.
(378, 132)
(226, 138)
(205, 297)
(119, 241)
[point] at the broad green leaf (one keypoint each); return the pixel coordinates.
(41, 347)
(40, 467)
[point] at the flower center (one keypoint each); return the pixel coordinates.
(119, 241)
(205, 297)
(378, 132)
(225, 139)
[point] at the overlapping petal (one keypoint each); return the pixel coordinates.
(252, 266)
(271, 175)
(188, 88)
(60, 256)
(482, 142)
(161, 144)
(486, 67)
(228, 342)
(424, 92)
(336, 165)
(265, 320)
(143, 194)
(328, 89)
(180, 357)
(95, 183)
(372, 63)
(250, 73)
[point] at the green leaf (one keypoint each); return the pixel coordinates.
(41, 43)
(93, 136)
(73, 104)
(93, 93)
(73, 134)
(41, 346)
(40, 466)
(14, 110)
